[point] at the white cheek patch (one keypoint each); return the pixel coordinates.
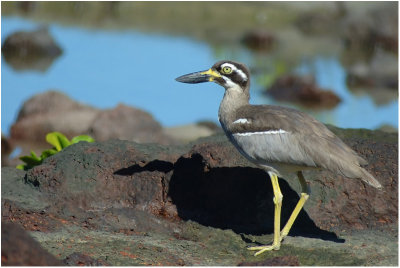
(228, 82)
(242, 121)
(270, 132)
(238, 71)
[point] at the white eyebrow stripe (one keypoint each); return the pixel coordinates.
(226, 64)
(242, 121)
(269, 132)
(240, 72)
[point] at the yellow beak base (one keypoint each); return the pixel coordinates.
(211, 74)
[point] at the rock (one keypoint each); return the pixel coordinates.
(30, 50)
(127, 123)
(187, 133)
(388, 128)
(375, 28)
(6, 149)
(19, 249)
(135, 181)
(379, 72)
(276, 261)
(51, 111)
(211, 125)
(332, 208)
(79, 259)
(321, 22)
(27, 7)
(166, 191)
(259, 40)
(304, 91)
(127, 203)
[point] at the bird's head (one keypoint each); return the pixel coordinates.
(229, 74)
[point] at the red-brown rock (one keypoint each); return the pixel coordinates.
(127, 123)
(54, 111)
(19, 249)
(30, 50)
(51, 111)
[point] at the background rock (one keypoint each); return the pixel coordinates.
(30, 50)
(302, 90)
(127, 123)
(259, 40)
(51, 111)
(54, 111)
(6, 149)
(191, 132)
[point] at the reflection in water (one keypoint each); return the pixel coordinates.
(103, 68)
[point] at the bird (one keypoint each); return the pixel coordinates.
(278, 139)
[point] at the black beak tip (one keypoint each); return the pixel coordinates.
(179, 79)
(193, 78)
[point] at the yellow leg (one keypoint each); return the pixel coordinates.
(277, 219)
(305, 191)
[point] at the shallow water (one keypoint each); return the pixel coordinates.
(103, 68)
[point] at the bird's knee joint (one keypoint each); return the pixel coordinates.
(305, 196)
(278, 199)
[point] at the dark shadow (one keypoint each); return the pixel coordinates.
(155, 165)
(237, 198)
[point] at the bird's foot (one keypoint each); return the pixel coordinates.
(262, 249)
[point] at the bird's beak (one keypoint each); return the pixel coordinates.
(199, 77)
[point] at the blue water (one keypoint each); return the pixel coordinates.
(103, 68)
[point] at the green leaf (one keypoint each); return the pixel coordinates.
(81, 138)
(22, 166)
(47, 153)
(31, 161)
(58, 140)
(34, 156)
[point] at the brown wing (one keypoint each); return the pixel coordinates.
(317, 144)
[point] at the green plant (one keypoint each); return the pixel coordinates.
(59, 141)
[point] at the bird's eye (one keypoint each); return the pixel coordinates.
(226, 70)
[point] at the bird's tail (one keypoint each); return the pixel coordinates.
(368, 178)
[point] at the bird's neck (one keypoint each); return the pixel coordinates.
(234, 98)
